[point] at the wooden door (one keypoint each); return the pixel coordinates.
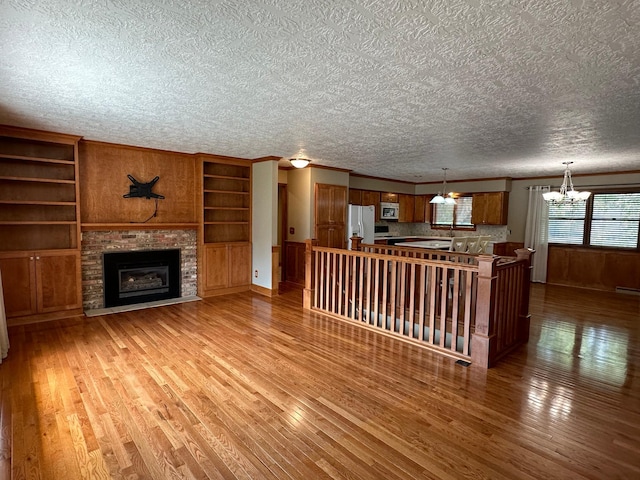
(57, 277)
(239, 264)
(216, 266)
(19, 283)
(330, 215)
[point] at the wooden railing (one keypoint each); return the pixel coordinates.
(473, 307)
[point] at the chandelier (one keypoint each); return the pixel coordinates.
(567, 193)
(449, 200)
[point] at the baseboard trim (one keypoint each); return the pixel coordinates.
(267, 292)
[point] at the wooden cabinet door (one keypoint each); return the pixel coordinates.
(422, 210)
(355, 196)
(331, 215)
(216, 267)
(372, 198)
(331, 236)
(19, 284)
(407, 205)
(239, 264)
(490, 208)
(388, 197)
(57, 277)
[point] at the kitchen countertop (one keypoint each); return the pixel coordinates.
(408, 237)
(434, 244)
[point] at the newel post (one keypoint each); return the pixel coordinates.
(309, 268)
(524, 318)
(356, 243)
(483, 340)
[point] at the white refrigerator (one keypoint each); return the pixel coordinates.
(360, 223)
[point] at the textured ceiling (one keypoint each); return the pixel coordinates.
(393, 89)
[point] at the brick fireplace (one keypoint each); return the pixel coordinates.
(97, 242)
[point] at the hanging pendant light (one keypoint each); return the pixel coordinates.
(567, 193)
(441, 198)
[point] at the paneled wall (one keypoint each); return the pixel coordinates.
(103, 182)
(599, 269)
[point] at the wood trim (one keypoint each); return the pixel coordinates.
(267, 292)
(225, 291)
(42, 135)
(44, 317)
(275, 268)
(139, 226)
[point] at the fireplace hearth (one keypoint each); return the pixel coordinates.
(140, 276)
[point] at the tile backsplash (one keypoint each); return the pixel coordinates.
(498, 233)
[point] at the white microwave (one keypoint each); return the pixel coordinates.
(389, 211)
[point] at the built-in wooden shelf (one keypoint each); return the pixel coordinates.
(226, 177)
(37, 179)
(38, 222)
(232, 192)
(138, 226)
(35, 202)
(226, 223)
(36, 159)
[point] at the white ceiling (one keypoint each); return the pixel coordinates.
(393, 89)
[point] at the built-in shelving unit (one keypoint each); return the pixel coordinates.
(225, 254)
(38, 195)
(39, 223)
(227, 202)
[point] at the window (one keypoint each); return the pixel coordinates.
(458, 215)
(607, 219)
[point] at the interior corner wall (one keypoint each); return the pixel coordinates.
(264, 226)
(299, 204)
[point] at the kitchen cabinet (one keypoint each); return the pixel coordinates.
(40, 282)
(372, 198)
(330, 215)
(389, 197)
(490, 208)
(407, 206)
(355, 196)
(422, 209)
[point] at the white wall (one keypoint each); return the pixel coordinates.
(380, 185)
(299, 195)
(264, 226)
(471, 186)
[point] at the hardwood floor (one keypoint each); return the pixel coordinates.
(245, 386)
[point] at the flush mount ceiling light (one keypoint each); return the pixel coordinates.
(299, 162)
(449, 200)
(567, 193)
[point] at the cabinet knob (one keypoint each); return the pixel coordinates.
(37, 258)
(30, 258)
